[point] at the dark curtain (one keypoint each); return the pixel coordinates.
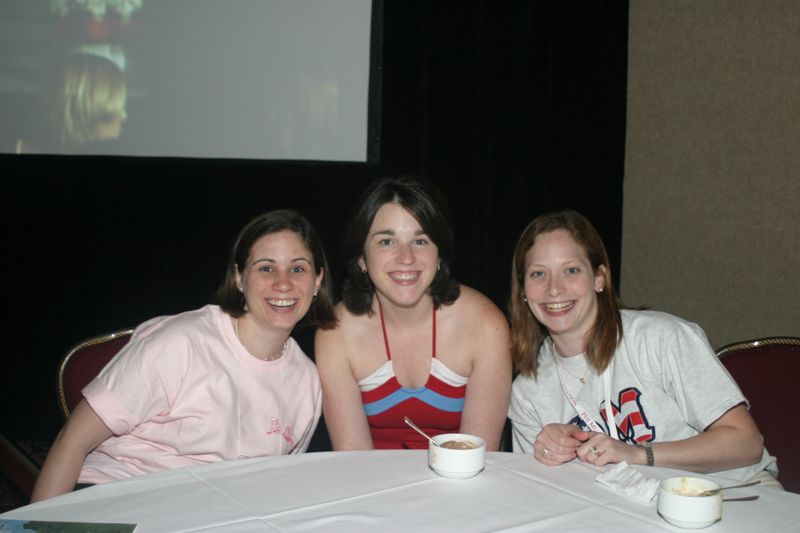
(513, 108)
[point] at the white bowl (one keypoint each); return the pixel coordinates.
(679, 504)
(457, 462)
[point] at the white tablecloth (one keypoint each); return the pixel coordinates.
(382, 491)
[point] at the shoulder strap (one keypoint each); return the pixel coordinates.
(383, 328)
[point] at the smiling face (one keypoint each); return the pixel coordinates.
(399, 257)
(561, 289)
(278, 280)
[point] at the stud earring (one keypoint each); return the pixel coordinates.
(316, 292)
(363, 270)
(241, 289)
(525, 299)
(439, 266)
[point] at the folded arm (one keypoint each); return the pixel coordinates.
(732, 441)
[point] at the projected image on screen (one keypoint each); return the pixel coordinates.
(254, 79)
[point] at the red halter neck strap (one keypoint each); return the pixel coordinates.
(386, 338)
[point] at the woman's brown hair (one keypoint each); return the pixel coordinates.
(527, 334)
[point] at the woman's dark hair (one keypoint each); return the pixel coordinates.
(527, 334)
(231, 300)
(428, 206)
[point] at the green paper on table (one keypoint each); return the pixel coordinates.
(22, 526)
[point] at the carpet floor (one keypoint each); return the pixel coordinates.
(35, 450)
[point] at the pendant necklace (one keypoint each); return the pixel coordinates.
(560, 364)
(272, 357)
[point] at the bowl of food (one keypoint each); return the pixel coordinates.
(458, 455)
(684, 502)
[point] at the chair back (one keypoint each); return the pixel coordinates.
(83, 362)
(767, 371)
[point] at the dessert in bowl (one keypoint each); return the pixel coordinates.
(458, 455)
(682, 503)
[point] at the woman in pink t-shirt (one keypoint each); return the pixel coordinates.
(222, 382)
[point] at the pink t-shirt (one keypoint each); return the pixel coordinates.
(184, 391)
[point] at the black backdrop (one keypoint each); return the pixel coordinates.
(513, 108)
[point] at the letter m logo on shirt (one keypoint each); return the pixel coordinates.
(630, 418)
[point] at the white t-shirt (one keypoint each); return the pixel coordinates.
(667, 385)
(184, 391)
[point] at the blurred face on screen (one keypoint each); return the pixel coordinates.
(90, 100)
(111, 128)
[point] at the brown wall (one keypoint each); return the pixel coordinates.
(711, 216)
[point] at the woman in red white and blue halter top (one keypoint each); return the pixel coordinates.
(435, 407)
(377, 365)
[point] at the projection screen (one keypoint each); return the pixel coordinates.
(246, 79)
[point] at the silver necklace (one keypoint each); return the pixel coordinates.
(266, 358)
(557, 357)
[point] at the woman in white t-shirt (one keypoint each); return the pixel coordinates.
(585, 362)
(222, 382)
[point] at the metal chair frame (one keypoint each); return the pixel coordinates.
(65, 361)
(766, 341)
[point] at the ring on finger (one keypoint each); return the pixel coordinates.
(594, 450)
(545, 452)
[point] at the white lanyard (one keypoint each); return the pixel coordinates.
(582, 413)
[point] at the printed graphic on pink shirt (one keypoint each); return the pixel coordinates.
(287, 432)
